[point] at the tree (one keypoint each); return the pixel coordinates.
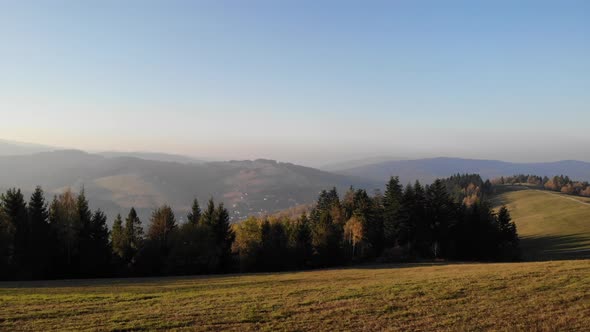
(40, 235)
(354, 232)
(193, 250)
(509, 243)
(208, 216)
(392, 207)
(440, 211)
(248, 243)
(224, 236)
(133, 236)
(162, 224)
(300, 242)
(84, 232)
(6, 246)
(97, 256)
(195, 215)
(326, 241)
(118, 237)
(14, 210)
(64, 220)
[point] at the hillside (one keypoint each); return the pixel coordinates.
(115, 184)
(13, 148)
(545, 296)
(551, 225)
(427, 170)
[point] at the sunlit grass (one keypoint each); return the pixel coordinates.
(551, 225)
(525, 296)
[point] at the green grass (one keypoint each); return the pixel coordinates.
(458, 297)
(551, 225)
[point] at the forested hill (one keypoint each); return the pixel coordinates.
(115, 184)
(427, 170)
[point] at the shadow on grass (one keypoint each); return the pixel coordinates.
(534, 248)
(562, 247)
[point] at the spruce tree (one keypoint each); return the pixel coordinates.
(14, 210)
(223, 234)
(118, 237)
(208, 216)
(133, 235)
(194, 216)
(162, 224)
(392, 206)
(300, 242)
(98, 256)
(40, 235)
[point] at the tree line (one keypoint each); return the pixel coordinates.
(65, 239)
(558, 183)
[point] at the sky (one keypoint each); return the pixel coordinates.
(311, 82)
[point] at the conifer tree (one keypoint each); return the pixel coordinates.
(208, 216)
(162, 224)
(14, 210)
(118, 237)
(40, 235)
(223, 234)
(194, 216)
(133, 236)
(392, 206)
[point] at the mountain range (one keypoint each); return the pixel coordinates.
(116, 181)
(427, 170)
(115, 184)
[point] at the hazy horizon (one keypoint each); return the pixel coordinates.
(301, 82)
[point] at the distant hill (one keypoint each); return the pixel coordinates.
(427, 170)
(114, 184)
(349, 164)
(13, 148)
(153, 156)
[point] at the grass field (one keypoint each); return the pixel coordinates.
(542, 296)
(551, 225)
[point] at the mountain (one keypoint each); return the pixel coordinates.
(115, 184)
(348, 164)
(427, 170)
(176, 158)
(13, 148)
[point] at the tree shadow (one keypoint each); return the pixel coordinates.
(561, 247)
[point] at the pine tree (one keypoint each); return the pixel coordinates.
(162, 224)
(300, 242)
(133, 235)
(64, 220)
(118, 237)
(392, 206)
(98, 254)
(40, 235)
(83, 231)
(326, 241)
(440, 212)
(14, 210)
(195, 215)
(223, 234)
(508, 235)
(208, 216)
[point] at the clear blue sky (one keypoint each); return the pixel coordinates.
(303, 81)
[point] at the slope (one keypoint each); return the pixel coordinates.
(551, 225)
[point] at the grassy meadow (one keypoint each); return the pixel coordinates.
(551, 225)
(542, 296)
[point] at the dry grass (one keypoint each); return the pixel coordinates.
(548, 296)
(551, 225)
